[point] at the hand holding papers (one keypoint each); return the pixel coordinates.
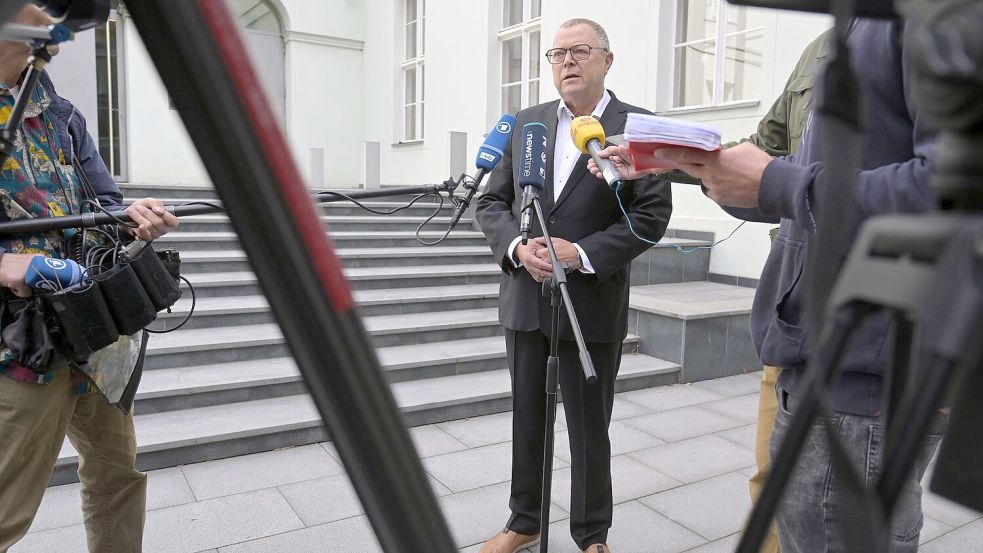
(646, 133)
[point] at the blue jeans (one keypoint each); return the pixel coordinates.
(808, 519)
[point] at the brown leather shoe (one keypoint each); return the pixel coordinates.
(508, 541)
(598, 548)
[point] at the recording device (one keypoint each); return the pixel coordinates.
(532, 172)
(588, 135)
(76, 15)
(489, 154)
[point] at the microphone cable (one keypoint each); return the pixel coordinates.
(680, 249)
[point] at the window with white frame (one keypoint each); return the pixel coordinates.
(520, 40)
(717, 54)
(413, 69)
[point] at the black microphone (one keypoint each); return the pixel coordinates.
(532, 172)
(489, 154)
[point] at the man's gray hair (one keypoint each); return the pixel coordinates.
(602, 35)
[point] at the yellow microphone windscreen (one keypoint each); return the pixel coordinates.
(584, 129)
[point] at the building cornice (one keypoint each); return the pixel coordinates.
(321, 40)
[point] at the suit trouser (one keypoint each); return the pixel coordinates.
(588, 411)
(767, 409)
(34, 420)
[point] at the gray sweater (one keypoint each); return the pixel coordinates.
(894, 178)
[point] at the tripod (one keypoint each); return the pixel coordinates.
(559, 295)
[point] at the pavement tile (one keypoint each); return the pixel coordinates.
(683, 423)
(624, 409)
(476, 515)
(713, 508)
(68, 539)
(665, 398)
(473, 468)
(741, 408)
(219, 522)
(946, 511)
(323, 500)
(257, 471)
(724, 545)
(630, 479)
(480, 431)
(696, 459)
(968, 539)
(624, 439)
(731, 386)
(343, 536)
(932, 529)
(430, 440)
(744, 436)
(635, 529)
(62, 505)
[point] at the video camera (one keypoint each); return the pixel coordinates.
(77, 15)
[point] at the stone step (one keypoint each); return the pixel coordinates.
(263, 341)
(207, 261)
(203, 385)
(184, 436)
(190, 241)
(343, 223)
(664, 264)
(243, 283)
(702, 326)
(219, 311)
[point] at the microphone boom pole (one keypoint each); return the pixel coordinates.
(86, 220)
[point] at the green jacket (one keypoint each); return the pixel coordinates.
(780, 130)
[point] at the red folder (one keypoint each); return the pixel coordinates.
(643, 155)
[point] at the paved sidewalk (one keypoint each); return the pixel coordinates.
(682, 457)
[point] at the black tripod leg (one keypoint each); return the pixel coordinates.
(822, 374)
(552, 383)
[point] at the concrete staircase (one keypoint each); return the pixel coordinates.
(224, 384)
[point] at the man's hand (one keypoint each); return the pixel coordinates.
(621, 158)
(13, 269)
(565, 252)
(529, 256)
(732, 176)
(153, 219)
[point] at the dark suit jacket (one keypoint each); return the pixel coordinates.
(586, 213)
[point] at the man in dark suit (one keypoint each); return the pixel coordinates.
(591, 235)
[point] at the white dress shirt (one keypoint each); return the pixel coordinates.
(565, 157)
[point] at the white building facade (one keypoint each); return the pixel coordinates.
(403, 91)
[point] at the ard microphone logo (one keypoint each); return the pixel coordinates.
(56, 264)
(504, 127)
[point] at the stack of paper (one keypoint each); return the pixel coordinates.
(646, 133)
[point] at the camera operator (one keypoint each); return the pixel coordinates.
(38, 408)
(893, 178)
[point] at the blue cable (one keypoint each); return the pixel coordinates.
(617, 194)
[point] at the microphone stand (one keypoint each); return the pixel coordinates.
(42, 224)
(558, 295)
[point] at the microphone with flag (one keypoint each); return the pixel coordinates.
(532, 172)
(489, 154)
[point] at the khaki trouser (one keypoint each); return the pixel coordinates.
(34, 420)
(767, 409)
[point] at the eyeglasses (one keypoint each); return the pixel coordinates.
(580, 52)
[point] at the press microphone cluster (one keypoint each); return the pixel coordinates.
(588, 136)
(489, 154)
